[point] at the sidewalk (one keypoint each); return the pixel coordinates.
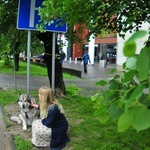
(94, 71)
(87, 83)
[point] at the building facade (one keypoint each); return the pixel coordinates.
(106, 45)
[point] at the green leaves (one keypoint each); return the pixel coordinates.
(128, 76)
(101, 82)
(135, 95)
(113, 84)
(129, 49)
(73, 90)
(137, 117)
(72, 12)
(127, 98)
(103, 118)
(131, 63)
(143, 63)
(125, 121)
(130, 45)
(100, 110)
(141, 119)
(137, 35)
(115, 111)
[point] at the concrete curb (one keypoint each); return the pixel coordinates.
(6, 139)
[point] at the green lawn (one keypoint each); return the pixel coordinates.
(87, 133)
(35, 70)
(85, 130)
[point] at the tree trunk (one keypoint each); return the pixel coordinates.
(16, 62)
(59, 82)
(16, 56)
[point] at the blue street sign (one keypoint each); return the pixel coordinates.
(28, 17)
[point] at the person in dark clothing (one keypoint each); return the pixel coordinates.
(85, 59)
(62, 57)
(52, 114)
(41, 58)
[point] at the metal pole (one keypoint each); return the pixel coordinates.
(28, 61)
(14, 70)
(53, 62)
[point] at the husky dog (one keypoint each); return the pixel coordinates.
(27, 113)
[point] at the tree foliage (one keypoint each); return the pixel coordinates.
(8, 11)
(95, 15)
(14, 41)
(127, 99)
(9, 34)
(98, 15)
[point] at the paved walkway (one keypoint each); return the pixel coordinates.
(95, 73)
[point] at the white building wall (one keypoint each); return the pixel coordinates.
(120, 59)
(91, 49)
(65, 45)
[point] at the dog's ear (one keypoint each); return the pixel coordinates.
(28, 97)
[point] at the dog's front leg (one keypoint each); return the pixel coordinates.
(16, 119)
(24, 122)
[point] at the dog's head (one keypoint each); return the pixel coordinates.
(24, 101)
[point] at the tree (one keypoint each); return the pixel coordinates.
(98, 15)
(13, 41)
(10, 37)
(46, 37)
(127, 99)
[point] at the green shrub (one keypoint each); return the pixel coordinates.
(72, 90)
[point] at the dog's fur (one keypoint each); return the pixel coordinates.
(27, 113)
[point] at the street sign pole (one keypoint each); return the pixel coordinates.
(14, 58)
(28, 61)
(53, 62)
(27, 19)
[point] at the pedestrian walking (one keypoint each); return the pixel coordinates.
(62, 57)
(41, 58)
(85, 59)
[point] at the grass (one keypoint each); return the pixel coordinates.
(85, 130)
(34, 70)
(22, 144)
(87, 133)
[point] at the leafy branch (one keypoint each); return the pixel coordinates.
(127, 98)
